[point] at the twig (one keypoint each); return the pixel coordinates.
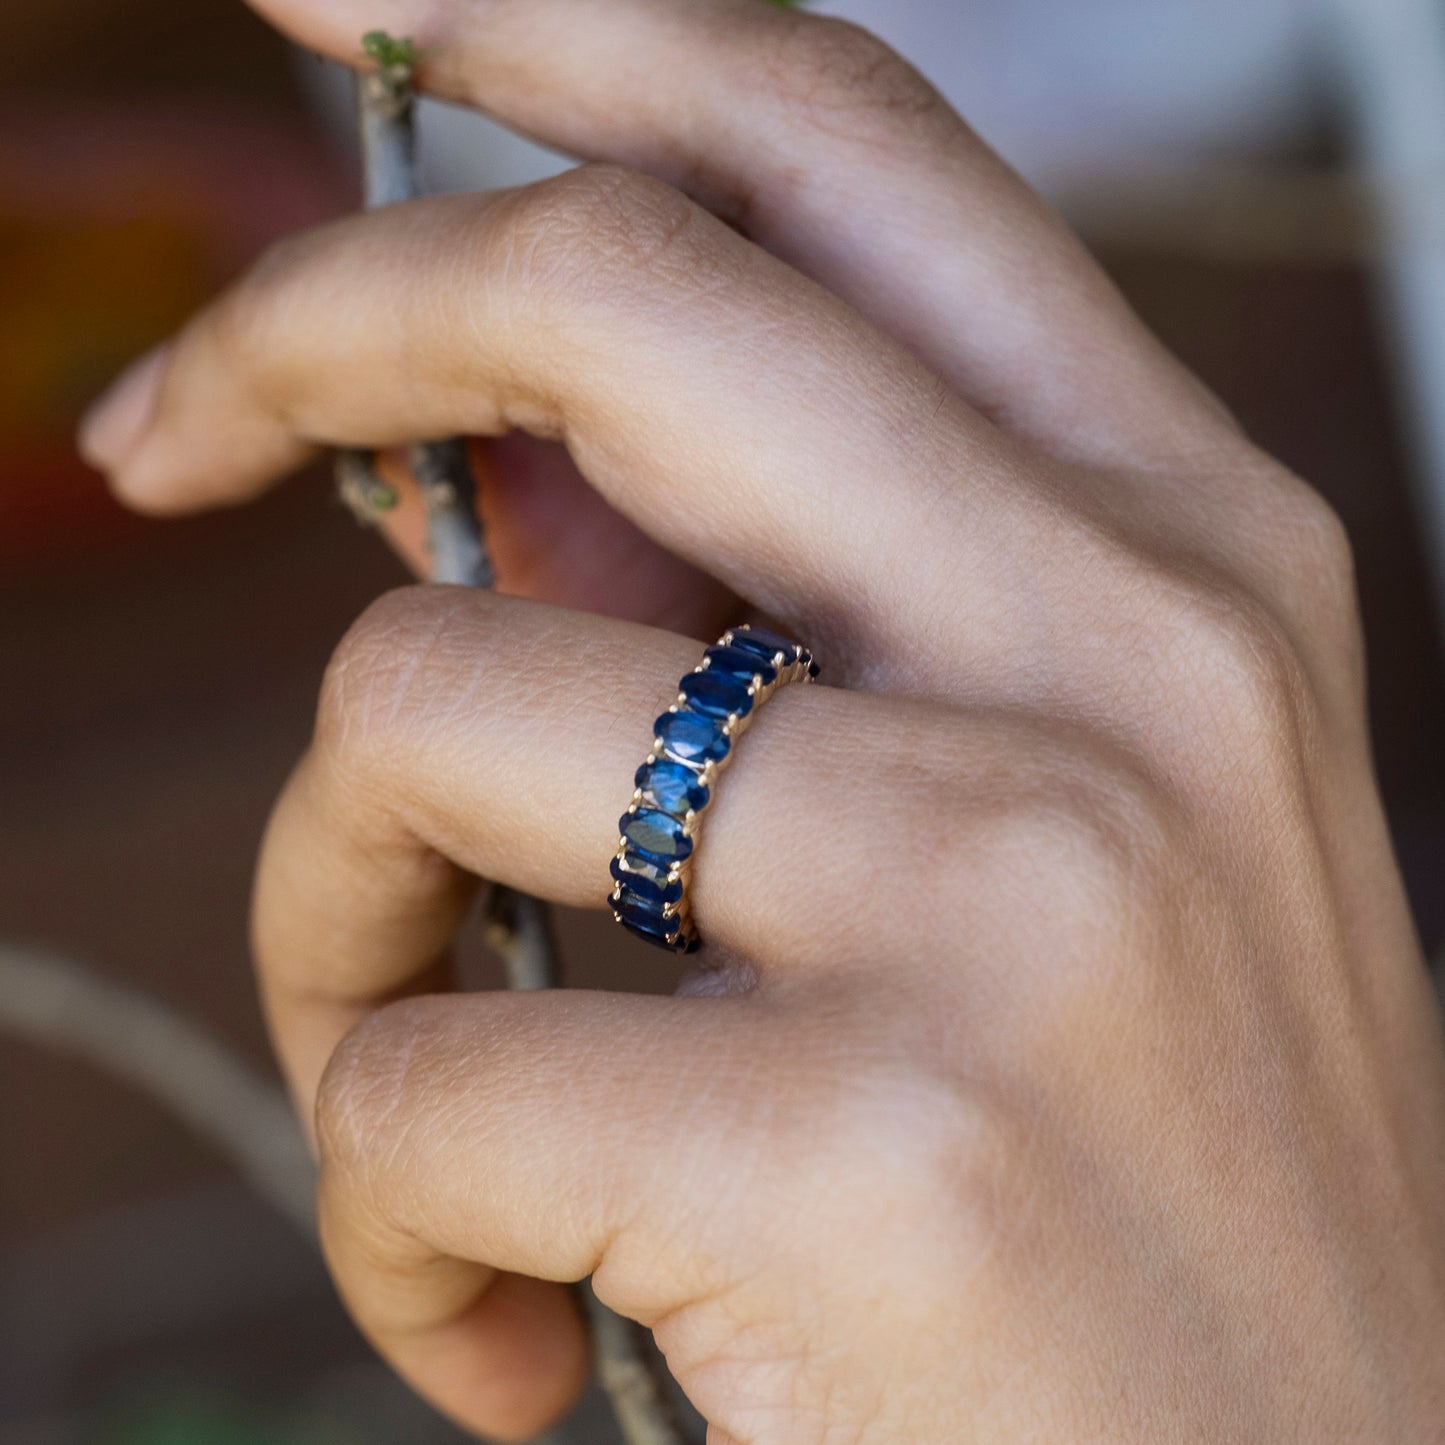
(361, 486)
(384, 100)
(59, 1003)
(517, 927)
(443, 475)
(639, 1396)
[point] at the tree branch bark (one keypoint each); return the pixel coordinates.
(517, 927)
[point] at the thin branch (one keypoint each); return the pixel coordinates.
(56, 1002)
(639, 1396)
(366, 494)
(385, 120)
(443, 473)
(517, 927)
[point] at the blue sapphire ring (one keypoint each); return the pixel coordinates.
(692, 743)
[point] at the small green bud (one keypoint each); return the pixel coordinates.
(387, 51)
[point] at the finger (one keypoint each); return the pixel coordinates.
(835, 154)
(463, 733)
(473, 1147)
(737, 413)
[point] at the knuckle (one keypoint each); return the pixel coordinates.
(246, 326)
(937, 1152)
(1293, 546)
(598, 218)
(383, 678)
(1251, 692)
(839, 77)
(1084, 826)
(1319, 569)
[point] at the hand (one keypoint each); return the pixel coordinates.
(1061, 1065)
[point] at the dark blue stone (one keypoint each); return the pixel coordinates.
(658, 835)
(762, 643)
(716, 694)
(634, 908)
(691, 738)
(673, 787)
(645, 878)
(657, 937)
(740, 663)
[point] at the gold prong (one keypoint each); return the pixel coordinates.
(785, 669)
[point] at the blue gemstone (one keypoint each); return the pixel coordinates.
(672, 787)
(740, 663)
(634, 908)
(716, 694)
(646, 879)
(634, 865)
(762, 643)
(659, 835)
(657, 936)
(691, 738)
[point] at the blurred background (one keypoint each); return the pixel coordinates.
(1265, 179)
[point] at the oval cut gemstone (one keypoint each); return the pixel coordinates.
(659, 835)
(645, 878)
(691, 738)
(634, 908)
(673, 787)
(716, 694)
(762, 643)
(657, 936)
(740, 663)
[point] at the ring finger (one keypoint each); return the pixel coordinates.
(462, 734)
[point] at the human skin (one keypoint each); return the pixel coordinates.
(1061, 1064)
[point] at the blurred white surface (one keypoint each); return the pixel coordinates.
(1060, 87)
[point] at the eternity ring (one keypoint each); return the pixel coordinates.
(693, 741)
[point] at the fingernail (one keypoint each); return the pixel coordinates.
(113, 426)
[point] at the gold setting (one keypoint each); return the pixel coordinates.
(799, 669)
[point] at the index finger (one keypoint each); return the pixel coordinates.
(741, 415)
